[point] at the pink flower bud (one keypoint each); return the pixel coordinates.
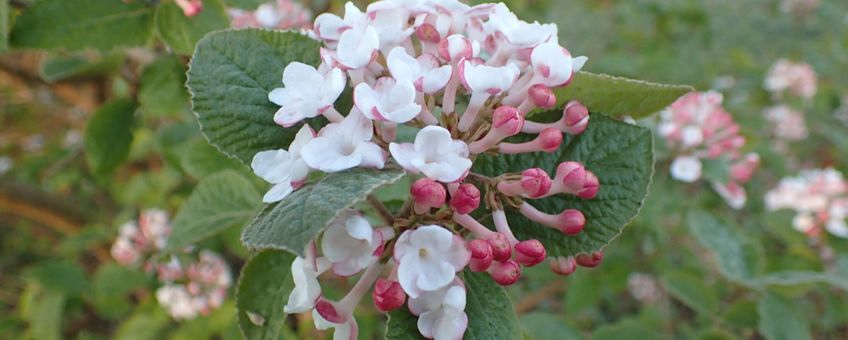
(501, 248)
(507, 120)
(548, 140)
(328, 311)
(570, 177)
(465, 199)
(428, 33)
(542, 96)
(481, 255)
(563, 265)
(530, 252)
(576, 118)
(572, 221)
(427, 194)
(534, 183)
(590, 260)
(744, 170)
(505, 273)
(190, 7)
(388, 295)
(590, 188)
(455, 47)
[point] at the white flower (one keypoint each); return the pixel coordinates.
(488, 79)
(389, 100)
(329, 27)
(435, 154)
(285, 169)
(351, 244)
(428, 259)
(345, 145)
(686, 169)
(390, 21)
(553, 63)
(306, 290)
(441, 313)
(357, 46)
(732, 193)
(306, 93)
(343, 331)
(177, 301)
(423, 72)
(838, 212)
(518, 33)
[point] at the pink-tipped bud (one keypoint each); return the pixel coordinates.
(427, 194)
(590, 188)
(590, 260)
(328, 311)
(542, 96)
(428, 33)
(388, 295)
(550, 139)
(576, 117)
(501, 249)
(455, 47)
(481, 255)
(563, 265)
(530, 252)
(570, 177)
(190, 7)
(505, 273)
(507, 120)
(465, 199)
(744, 170)
(572, 221)
(535, 182)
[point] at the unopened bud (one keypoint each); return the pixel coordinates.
(190, 7)
(501, 248)
(548, 140)
(328, 311)
(481, 255)
(590, 260)
(563, 265)
(575, 117)
(542, 96)
(530, 252)
(507, 120)
(455, 47)
(572, 221)
(590, 188)
(427, 194)
(465, 199)
(570, 177)
(428, 33)
(505, 273)
(534, 183)
(388, 295)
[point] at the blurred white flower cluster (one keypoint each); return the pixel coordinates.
(818, 196)
(793, 78)
(277, 14)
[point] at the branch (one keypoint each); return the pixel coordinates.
(381, 210)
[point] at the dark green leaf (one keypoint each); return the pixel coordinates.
(218, 202)
(180, 32)
(625, 330)
(792, 278)
(735, 255)
(162, 90)
(81, 65)
(79, 24)
(296, 220)
(620, 154)
(230, 77)
(618, 96)
(245, 4)
(780, 319)
(65, 277)
(109, 135)
(543, 326)
(111, 285)
(692, 291)
(263, 289)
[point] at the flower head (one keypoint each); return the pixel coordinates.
(435, 154)
(428, 259)
(344, 145)
(307, 93)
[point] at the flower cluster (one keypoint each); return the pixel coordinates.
(190, 288)
(797, 79)
(464, 79)
(696, 127)
(820, 198)
(787, 123)
(277, 14)
(799, 7)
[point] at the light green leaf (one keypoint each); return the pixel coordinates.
(4, 25)
(245, 4)
(692, 291)
(625, 330)
(79, 24)
(147, 323)
(180, 32)
(543, 326)
(780, 319)
(742, 314)
(218, 202)
(162, 90)
(263, 289)
(79, 65)
(296, 220)
(621, 155)
(45, 319)
(201, 159)
(490, 313)
(109, 135)
(230, 77)
(792, 278)
(618, 96)
(111, 285)
(735, 254)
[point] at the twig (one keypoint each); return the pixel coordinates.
(531, 301)
(381, 210)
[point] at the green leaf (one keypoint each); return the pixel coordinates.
(625, 330)
(296, 220)
(45, 320)
(489, 310)
(109, 135)
(230, 77)
(147, 323)
(618, 96)
(742, 314)
(201, 159)
(58, 68)
(692, 291)
(620, 154)
(263, 289)
(245, 4)
(218, 202)
(64, 277)
(792, 278)
(780, 319)
(735, 254)
(542, 326)
(79, 24)
(111, 285)
(180, 32)
(162, 90)
(4, 25)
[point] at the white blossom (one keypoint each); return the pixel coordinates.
(345, 145)
(428, 259)
(389, 100)
(435, 154)
(285, 169)
(351, 244)
(307, 93)
(306, 290)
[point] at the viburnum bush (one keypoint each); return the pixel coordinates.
(430, 148)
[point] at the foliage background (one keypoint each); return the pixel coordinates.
(719, 273)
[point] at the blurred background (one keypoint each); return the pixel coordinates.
(689, 266)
